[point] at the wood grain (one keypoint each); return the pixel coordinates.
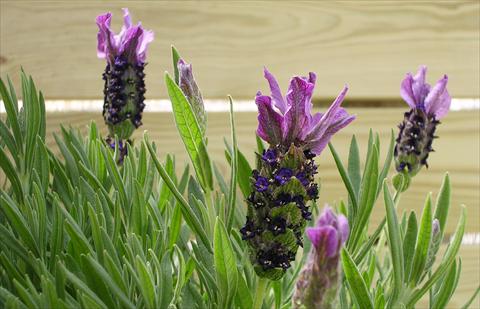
(369, 44)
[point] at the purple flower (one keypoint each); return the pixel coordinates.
(130, 42)
(124, 88)
(302, 177)
(261, 184)
(317, 285)
(286, 120)
(329, 234)
(435, 102)
(270, 156)
(283, 175)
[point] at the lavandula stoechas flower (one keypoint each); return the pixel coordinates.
(317, 284)
(124, 90)
(428, 105)
(283, 185)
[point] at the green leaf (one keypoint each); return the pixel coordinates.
(12, 175)
(423, 243)
(10, 103)
(190, 133)
(83, 287)
(447, 260)
(243, 298)
(232, 196)
(448, 286)
(244, 172)
(395, 243)
(346, 179)
(225, 265)
(354, 165)
(358, 288)
(147, 286)
(388, 162)
(443, 202)
(175, 58)
(409, 243)
(260, 144)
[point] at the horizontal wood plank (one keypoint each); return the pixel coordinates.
(369, 44)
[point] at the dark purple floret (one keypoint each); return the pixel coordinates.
(256, 202)
(248, 230)
(277, 225)
(302, 177)
(308, 154)
(312, 191)
(283, 199)
(283, 175)
(270, 156)
(306, 214)
(261, 184)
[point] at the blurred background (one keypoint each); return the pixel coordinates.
(369, 45)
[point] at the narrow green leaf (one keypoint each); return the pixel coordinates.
(409, 243)
(175, 58)
(471, 299)
(346, 179)
(358, 289)
(388, 162)
(443, 202)
(232, 196)
(244, 172)
(84, 288)
(225, 265)
(12, 175)
(395, 244)
(354, 165)
(243, 298)
(423, 243)
(260, 144)
(146, 282)
(447, 287)
(10, 103)
(190, 133)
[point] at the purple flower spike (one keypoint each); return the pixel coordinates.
(317, 285)
(419, 94)
(286, 120)
(329, 234)
(270, 156)
(124, 88)
(131, 41)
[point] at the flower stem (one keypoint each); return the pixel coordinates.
(261, 287)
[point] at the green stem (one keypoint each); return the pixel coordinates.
(261, 287)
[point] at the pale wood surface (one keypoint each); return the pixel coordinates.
(368, 44)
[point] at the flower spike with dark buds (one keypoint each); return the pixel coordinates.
(417, 130)
(283, 185)
(124, 88)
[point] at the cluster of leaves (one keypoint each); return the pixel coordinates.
(79, 231)
(401, 276)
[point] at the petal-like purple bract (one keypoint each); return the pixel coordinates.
(330, 233)
(419, 94)
(438, 99)
(276, 93)
(299, 97)
(297, 124)
(270, 123)
(324, 239)
(131, 41)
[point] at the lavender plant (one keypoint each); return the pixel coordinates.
(79, 230)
